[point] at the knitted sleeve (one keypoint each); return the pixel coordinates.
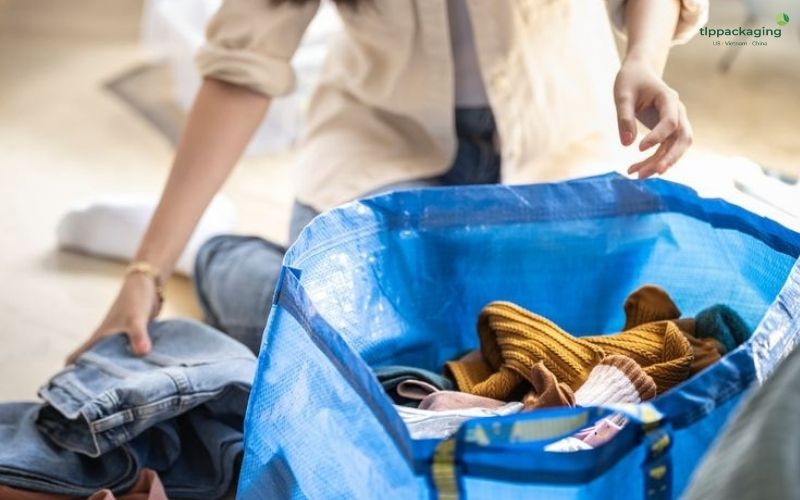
(251, 43)
(694, 14)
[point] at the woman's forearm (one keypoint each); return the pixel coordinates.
(650, 26)
(220, 124)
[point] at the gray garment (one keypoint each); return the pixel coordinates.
(758, 455)
(30, 461)
(235, 275)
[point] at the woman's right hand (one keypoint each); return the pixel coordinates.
(136, 304)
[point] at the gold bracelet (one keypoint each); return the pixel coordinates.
(149, 270)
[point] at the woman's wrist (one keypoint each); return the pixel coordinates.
(148, 271)
(642, 57)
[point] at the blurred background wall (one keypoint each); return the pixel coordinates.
(752, 108)
(87, 108)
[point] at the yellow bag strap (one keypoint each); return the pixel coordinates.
(444, 470)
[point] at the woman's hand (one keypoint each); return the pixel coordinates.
(136, 304)
(639, 92)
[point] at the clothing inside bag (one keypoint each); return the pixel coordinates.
(526, 358)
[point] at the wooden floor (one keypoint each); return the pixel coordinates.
(63, 138)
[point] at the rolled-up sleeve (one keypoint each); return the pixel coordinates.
(251, 43)
(694, 14)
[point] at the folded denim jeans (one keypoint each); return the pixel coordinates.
(179, 411)
(30, 461)
(108, 397)
(196, 456)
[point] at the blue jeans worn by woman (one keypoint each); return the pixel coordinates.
(235, 276)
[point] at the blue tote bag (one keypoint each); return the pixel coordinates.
(400, 279)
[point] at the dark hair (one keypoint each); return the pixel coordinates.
(348, 3)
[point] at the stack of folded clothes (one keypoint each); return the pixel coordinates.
(115, 424)
(526, 362)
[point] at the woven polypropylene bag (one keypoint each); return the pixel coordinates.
(400, 279)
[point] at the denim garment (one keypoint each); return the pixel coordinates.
(235, 275)
(31, 461)
(179, 411)
(196, 455)
(109, 397)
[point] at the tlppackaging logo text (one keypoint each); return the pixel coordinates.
(741, 31)
(782, 19)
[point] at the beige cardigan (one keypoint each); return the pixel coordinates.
(383, 109)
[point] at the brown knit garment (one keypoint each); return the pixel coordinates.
(471, 370)
(514, 339)
(647, 304)
(660, 348)
(652, 303)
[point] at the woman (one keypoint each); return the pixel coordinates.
(414, 93)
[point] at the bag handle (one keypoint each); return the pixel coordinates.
(491, 444)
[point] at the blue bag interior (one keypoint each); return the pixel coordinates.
(407, 283)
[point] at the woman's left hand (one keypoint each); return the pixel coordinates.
(640, 92)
